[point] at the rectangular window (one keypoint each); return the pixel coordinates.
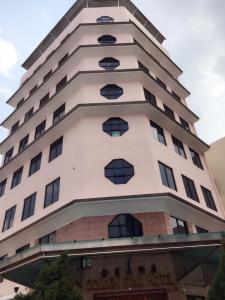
(58, 114)
(29, 114)
(23, 143)
(176, 96)
(178, 226)
(52, 192)
(15, 127)
(178, 146)
(3, 257)
(33, 90)
(161, 83)
(143, 68)
(40, 129)
(167, 176)
(17, 176)
(196, 159)
(8, 156)
(47, 76)
(44, 100)
(62, 60)
(21, 249)
(29, 206)
(190, 188)
(48, 239)
(2, 187)
(56, 149)
(9, 218)
(169, 112)
(184, 124)
(35, 164)
(61, 84)
(208, 198)
(201, 230)
(150, 97)
(158, 133)
(20, 103)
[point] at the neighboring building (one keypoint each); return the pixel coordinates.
(215, 160)
(103, 161)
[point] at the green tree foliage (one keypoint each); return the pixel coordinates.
(217, 289)
(54, 283)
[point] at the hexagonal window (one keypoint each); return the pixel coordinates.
(119, 171)
(115, 127)
(105, 19)
(107, 39)
(109, 63)
(111, 91)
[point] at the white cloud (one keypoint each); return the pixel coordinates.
(8, 56)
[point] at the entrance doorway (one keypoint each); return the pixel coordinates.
(149, 295)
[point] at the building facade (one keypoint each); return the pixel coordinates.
(214, 157)
(103, 161)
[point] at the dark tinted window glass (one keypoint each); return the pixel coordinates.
(190, 188)
(167, 176)
(196, 158)
(125, 226)
(47, 75)
(40, 129)
(17, 176)
(161, 83)
(8, 156)
(105, 19)
(20, 103)
(44, 100)
(9, 218)
(52, 192)
(56, 149)
(15, 127)
(169, 112)
(62, 60)
(178, 146)
(176, 96)
(48, 239)
(29, 114)
(119, 171)
(21, 249)
(115, 127)
(109, 63)
(2, 187)
(111, 91)
(201, 230)
(178, 226)
(184, 124)
(23, 143)
(58, 114)
(208, 198)
(150, 97)
(29, 206)
(33, 90)
(35, 164)
(158, 133)
(143, 68)
(107, 39)
(61, 84)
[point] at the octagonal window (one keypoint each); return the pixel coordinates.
(107, 39)
(125, 225)
(119, 171)
(109, 63)
(111, 91)
(105, 19)
(115, 127)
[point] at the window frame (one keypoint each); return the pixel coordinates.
(119, 175)
(158, 133)
(8, 157)
(111, 91)
(48, 237)
(196, 158)
(169, 112)
(3, 187)
(53, 199)
(40, 130)
(58, 114)
(8, 221)
(165, 173)
(61, 84)
(23, 143)
(177, 220)
(208, 197)
(17, 177)
(104, 20)
(190, 188)
(109, 63)
(112, 41)
(35, 164)
(179, 147)
(56, 148)
(108, 126)
(29, 114)
(29, 206)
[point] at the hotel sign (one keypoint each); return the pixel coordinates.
(131, 281)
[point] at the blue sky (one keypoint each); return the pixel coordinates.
(194, 29)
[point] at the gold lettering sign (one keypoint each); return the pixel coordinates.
(131, 281)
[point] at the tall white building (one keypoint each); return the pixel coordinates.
(103, 161)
